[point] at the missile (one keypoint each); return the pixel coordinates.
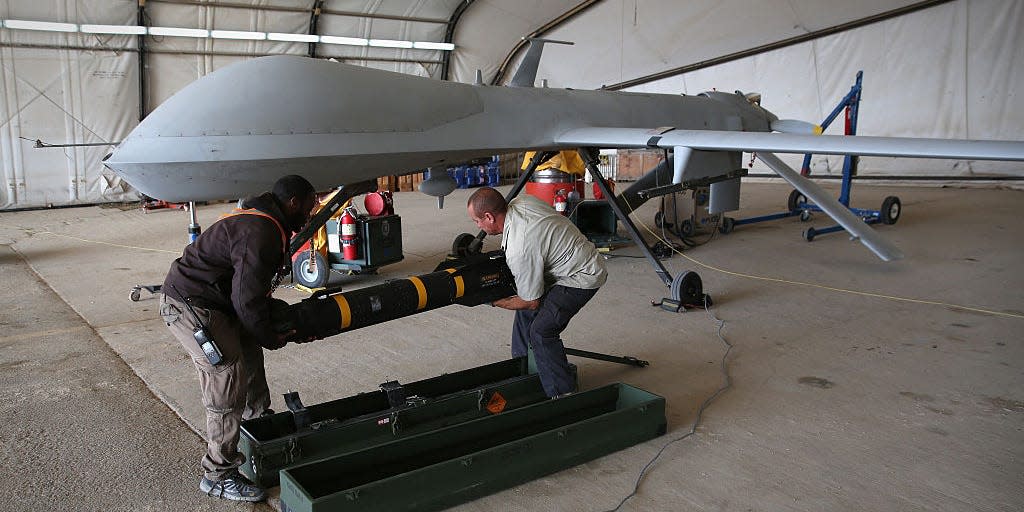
(479, 279)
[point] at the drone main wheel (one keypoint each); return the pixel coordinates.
(687, 288)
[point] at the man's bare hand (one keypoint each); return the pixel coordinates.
(516, 303)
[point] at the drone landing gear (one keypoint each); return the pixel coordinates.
(687, 291)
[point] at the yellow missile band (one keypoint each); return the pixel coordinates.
(460, 287)
(818, 129)
(421, 291)
(346, 311)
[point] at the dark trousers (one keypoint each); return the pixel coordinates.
(541, 329)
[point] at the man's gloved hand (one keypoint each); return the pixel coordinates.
(280, 340)
(305, 339)
(295, 337)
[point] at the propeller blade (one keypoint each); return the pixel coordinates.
(850, 222)
(796, 126)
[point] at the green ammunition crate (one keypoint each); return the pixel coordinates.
(445, 467)
(273, 442)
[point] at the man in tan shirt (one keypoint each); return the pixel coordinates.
(556, 269)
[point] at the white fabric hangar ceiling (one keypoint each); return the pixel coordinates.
(942, 69)
(950, 70)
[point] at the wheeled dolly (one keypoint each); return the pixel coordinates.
(136, 292)
(889, 213)
(797, 204)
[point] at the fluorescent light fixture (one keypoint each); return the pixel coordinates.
(355, 41)
(178, 32)
(426, 45)
(390, 43)
(114, 29)
(238, 34)
(298, 38)
(41, 25)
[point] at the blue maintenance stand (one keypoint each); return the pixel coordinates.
(797, 203)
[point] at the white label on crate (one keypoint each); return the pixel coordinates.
(333, 243)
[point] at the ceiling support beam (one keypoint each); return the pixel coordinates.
(314, 19)
(449, 34)
(141, 21)
(547, 27)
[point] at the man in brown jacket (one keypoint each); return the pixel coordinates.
(227, 275)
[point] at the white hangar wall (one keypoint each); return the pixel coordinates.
(64, 96)
(55, 91)
(954, 70)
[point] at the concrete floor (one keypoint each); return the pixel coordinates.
(839, 400)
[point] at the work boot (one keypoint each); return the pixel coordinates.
(234, 486)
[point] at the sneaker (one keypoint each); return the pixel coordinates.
(233, 486)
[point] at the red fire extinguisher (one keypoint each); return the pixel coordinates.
(560, 202)
(348, 236)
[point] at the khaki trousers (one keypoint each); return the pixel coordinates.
(233, 391)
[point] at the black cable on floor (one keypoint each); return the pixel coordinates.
(727, 383)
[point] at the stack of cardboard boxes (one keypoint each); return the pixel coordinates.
(634, 163)
(404, 183)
